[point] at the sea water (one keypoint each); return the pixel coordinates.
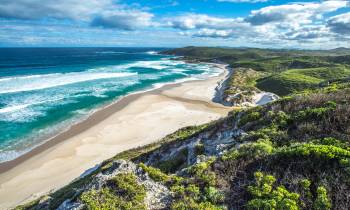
(45, 90)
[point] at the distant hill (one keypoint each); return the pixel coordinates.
(283, 69)
(341, 50)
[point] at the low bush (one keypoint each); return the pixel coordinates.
(155, 173)
(200, 172)
(327, 152)
(250, 150)
(121, 192)
(322, 202)
(249, 117)
(266, 196)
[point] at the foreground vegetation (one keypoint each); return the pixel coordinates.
(292, 154)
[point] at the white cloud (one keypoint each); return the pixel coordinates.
(104, 13)
(60, 9)
(295, 13)
(286, 25)
(297, 23)
(212, 33)
(340, 24)
(200, 21)
(126, 20)
(307, 33)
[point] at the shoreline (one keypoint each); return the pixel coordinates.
(170, 93)
(104, 112)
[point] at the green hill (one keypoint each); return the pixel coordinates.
(295, 80)
(283, 71)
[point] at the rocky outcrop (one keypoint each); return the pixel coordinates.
(158, 196)
(214, 141)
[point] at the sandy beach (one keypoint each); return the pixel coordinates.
(133, 121)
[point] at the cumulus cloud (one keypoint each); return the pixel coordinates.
(307, 33)
(126, 20)
(60, 9)
(200, 21)
(295, 22)
(296, 13)
(212, 33)
(299, 22)
(340, 24)
(199, 25)
(104, 13)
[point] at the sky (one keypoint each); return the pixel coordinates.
(310, 24)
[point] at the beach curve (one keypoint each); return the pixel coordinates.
(152, 114)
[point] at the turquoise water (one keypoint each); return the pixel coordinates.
(45, 90)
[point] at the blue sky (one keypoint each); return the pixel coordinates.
(314, 24)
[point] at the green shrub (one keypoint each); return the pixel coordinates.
(200, 172)
(265, 196)
(327, 152)
(256, 149)
(332, 142)
(322, 202)
(281, 119)
(190, 204)
(306, 191)
(305, 184)
(213, 195)
(271, 133)
(251, 150)
(187, 132)
(155, 173)
(316, 113)
(249, 117)
(190, 197)
(122, 192)
(199, 168)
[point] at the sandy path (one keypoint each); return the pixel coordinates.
(135, 120)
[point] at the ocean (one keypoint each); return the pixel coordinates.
(44, 91)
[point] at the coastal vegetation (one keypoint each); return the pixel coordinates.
(293, 153)
(295, 80)
(279, 71)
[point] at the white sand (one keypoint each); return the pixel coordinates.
(264, 98)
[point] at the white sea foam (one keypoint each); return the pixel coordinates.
(111, 52)
(152, 52)
(13, 108)
(11, 154)
(159, 65)
(28, 108)
(37, 82)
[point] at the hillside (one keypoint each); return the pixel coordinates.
(279, 71)
(290, 154)
(295, 80)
